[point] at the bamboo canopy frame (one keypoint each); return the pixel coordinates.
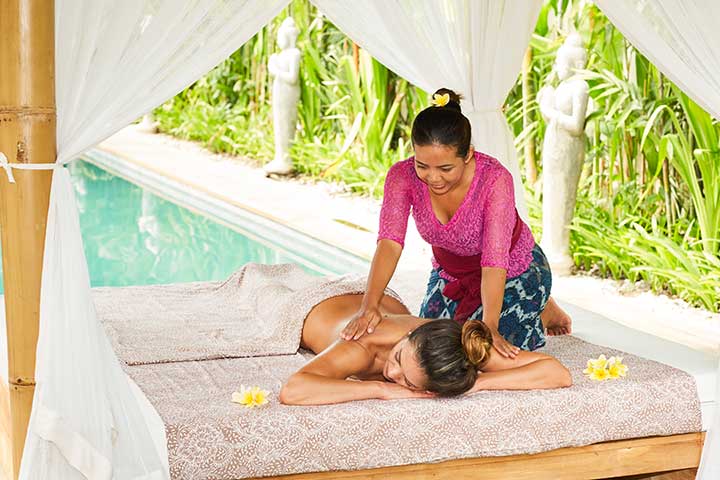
(27, 135)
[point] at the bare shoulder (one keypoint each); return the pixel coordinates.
(341, 359)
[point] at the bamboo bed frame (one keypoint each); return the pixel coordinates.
(677, 454)
(28, 135)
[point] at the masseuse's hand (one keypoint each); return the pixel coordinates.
(365, 320)
(393, 391)
(503, 347)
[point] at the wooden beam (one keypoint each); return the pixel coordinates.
(27, 135)
(601, 460)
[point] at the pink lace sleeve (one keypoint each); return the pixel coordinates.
(396, 205)
(499, 218)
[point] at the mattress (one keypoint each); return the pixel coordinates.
(669, 390)
(210, 437)
(595, 328)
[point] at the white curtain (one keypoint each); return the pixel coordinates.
(681, 38)
(115, 60)
(474, 47)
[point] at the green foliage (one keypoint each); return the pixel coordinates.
(354, 114)
(637, 248)
(649, 203)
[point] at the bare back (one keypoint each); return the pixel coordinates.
(325, 322)
(364, 358)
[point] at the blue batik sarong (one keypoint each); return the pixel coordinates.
(525, 297)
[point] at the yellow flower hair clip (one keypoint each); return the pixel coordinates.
(250, 396)
(440, 100)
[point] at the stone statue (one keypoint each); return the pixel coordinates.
(285, 67)
(564, 109)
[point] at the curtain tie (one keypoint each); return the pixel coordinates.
(7, 166)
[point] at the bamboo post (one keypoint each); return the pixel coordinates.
(531, 172)
(27, 135)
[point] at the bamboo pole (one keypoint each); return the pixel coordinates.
(27, 135)
(531, 172)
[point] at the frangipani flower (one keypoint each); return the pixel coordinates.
(599, 374)
(440, 100)
(616, 368)
(250, 396)
(604, 368)
(601, 362)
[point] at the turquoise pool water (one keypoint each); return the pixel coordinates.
(133, 237)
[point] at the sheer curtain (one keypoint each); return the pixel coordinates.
(682, 38)
(115, 60)
(474, 47)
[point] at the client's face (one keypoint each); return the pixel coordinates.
(402, 366)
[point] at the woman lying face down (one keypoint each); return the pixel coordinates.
(407, 357)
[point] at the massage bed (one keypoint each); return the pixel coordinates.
(182, 355)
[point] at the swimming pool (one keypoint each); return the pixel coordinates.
(133, 235)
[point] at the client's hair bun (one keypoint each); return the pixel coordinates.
(477, 342)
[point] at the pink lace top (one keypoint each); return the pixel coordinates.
(482, 225)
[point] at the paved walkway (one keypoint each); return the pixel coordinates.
(350, 222)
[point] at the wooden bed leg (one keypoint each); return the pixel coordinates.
(27, 135)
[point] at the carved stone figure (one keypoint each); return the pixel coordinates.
(285, 67)
(564, 109)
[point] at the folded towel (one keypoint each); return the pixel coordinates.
(258, 311)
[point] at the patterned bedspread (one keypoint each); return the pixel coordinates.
(211, 438)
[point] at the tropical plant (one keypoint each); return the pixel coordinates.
(649, 207)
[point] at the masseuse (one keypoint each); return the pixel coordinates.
(486, 264)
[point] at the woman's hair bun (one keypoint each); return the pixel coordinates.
(454, 98)
(477, 342)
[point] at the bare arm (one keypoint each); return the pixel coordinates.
(385, 260)
(528, 371)
(492, 290)
(394, 214)
(324, 379)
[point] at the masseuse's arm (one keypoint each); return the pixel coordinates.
(492, 290)
(385, 260)
(323, 380)
(527, 371)
(499, 218)
(391, 236)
